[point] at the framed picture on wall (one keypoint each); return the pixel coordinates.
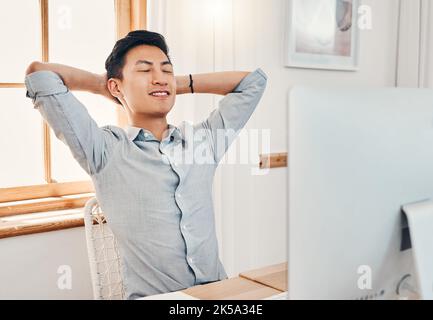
(323, 34)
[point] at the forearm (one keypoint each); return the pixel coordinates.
(73, 78)
(217, 83)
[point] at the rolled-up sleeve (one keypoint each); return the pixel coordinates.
(233, 112)
(69, 119)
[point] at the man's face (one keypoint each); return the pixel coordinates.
(148, 85)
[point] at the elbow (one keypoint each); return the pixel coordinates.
(33, 67)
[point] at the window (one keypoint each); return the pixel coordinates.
(75, 39)
(34, 163)
(17, 120)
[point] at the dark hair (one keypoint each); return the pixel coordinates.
(116, 60)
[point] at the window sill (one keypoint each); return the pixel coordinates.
(26, 224)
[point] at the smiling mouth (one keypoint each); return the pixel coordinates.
(159, 94)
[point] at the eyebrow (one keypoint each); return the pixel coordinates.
(151, 63)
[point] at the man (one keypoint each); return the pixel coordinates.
(158, 205)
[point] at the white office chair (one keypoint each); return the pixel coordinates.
(104, 258)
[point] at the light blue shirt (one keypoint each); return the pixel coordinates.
(156, 195)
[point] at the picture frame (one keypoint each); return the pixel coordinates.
(322, 34)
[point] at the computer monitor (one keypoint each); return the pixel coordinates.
(355, 157)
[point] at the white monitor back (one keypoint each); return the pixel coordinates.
(356, 156)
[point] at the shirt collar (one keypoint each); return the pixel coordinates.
(174, 133)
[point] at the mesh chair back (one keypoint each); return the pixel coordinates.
(104, 258)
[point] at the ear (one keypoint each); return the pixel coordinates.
(114, 86)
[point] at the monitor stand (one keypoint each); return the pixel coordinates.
(420, 222)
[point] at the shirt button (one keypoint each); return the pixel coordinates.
(191, 260)
(179, 195)
(184, 227)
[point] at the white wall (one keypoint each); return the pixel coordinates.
(415, 63)
(29, 265)
(251, 210)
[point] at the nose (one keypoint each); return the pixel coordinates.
(159, 79)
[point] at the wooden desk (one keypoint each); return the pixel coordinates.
(273, 276)
(232, 289)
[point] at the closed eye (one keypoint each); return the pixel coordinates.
(166, 71)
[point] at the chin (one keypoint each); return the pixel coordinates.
(163, 111)
(156, 110)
